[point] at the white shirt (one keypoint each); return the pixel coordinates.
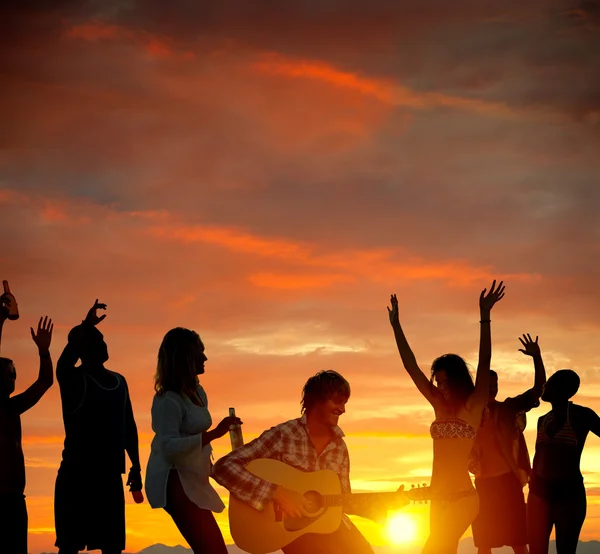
(178, 425)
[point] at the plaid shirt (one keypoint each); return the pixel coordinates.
(290, 443)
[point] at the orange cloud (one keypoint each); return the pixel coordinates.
(376, 263)
(97, 30)
(154, 46)
(386, 91)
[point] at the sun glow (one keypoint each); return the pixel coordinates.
(400, 528)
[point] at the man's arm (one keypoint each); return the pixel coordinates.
(134, 479)
(531, 398)
(480, 394)
(26, 400)
(230, 472)
(70, 377)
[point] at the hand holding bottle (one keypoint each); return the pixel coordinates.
(134, 482)
(8, 304)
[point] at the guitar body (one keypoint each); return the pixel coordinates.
(260, 532)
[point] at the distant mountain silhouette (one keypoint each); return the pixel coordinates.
(466, 547)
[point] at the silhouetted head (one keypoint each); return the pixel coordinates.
(89, 344)
(325, 394)
(452, 378)
(8, 376)
(493, 385)
(561, 386)
(180, 360)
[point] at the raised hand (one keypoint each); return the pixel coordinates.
(92, 317)
(487, 301)
(43, 337)
(393, 312)
(530, 347)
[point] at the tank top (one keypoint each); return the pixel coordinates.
(95, 430)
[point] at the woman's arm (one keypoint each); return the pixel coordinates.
(426, 388)
(167, 415)
(480, 395)
(594, 422)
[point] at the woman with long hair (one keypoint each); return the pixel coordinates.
(180, 457)
(556, 491)
(458, 404)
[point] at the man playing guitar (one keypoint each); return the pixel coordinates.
(310, 443)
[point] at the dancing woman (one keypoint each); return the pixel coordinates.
(556, 491)
(458, 405)
(180, 457)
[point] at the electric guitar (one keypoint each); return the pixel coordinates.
(268, 530)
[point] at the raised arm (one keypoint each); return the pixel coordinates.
(42, 338)
(69, 375)
(487, 301)
(426, 388)
(532, 348)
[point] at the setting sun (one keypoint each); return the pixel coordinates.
(401, 528)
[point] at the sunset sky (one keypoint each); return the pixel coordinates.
(267, 173)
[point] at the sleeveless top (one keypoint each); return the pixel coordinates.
(564, 436)
(452, 428)
(95, 430)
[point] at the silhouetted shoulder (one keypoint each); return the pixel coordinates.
(589, 414)
(118, 375)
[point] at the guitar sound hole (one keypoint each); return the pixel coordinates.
(316, 501)
(315, 506)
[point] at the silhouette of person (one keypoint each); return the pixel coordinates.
(13, 509)
(458, 405)
(556, 491)
(180, 458)
(309, 443)
(503, 462)
(89, 503)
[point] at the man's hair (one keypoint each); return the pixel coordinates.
(4, 363)
(321, 387)
(87, 340)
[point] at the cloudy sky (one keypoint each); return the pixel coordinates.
(267, 173)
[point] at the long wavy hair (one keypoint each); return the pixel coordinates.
(460, 382)
(179, 357)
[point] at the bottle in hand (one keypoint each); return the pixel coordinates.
(235, 432)
(13, 309)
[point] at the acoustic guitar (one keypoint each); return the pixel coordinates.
(268, 530)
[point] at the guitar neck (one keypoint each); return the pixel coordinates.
(353, 499)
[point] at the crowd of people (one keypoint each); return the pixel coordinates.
(473, 434)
